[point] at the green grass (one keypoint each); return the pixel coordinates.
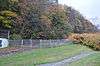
(92, 60)
(41, 56)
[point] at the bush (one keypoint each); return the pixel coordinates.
(90, 40)
(15, 37)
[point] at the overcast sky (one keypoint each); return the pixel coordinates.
(89, 8)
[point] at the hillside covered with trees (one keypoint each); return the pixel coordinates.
(41, 19)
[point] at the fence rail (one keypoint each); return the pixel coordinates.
(38, 43)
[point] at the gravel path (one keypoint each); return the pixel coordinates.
(66, 62)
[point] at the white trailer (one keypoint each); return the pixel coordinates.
(4, 42)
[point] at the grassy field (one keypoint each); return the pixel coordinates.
(92, 60)
(41, 56)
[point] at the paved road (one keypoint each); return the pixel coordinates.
(66, 62)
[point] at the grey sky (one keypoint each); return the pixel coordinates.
(89, 8)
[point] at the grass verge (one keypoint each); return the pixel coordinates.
(41, 56)
(92, 60)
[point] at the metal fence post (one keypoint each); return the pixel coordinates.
(22, 43)
(50, 44)
(40, 43)
(30, 42)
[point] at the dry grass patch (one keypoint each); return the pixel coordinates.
(91, 40)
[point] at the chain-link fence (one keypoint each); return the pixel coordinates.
(38, 43)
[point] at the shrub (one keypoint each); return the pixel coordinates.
(15, 37)
(90, 40)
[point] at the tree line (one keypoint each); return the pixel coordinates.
(41, 19)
